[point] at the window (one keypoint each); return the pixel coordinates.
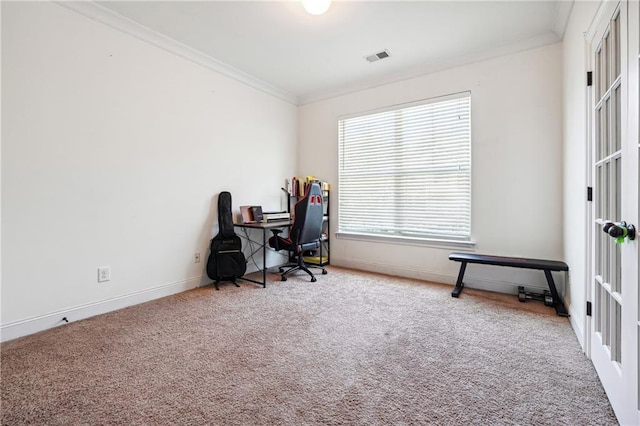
(406, 173)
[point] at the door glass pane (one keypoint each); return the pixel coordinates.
(606, 135)
(606, 190)
(600, 192)
(598, 135)
(607, 61)
(616, 215)
(616, 46)
(598, 76)
(599, 236)
(603, 133)
(616, 353)
(606, 315)
(604, 199)
(598, 310)
(616, 118)
(603, 72)
(608, 258)
(616, 283)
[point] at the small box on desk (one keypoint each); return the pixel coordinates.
(251, 214)
(256, 212)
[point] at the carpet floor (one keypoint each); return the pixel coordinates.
(352, 348)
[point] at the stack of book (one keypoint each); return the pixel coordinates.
(299, 187)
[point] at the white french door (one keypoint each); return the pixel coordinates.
(615, 321)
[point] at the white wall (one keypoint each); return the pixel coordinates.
(113, 153)
(516, 163)
(575, 160)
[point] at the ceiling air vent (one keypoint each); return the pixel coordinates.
(377, 56)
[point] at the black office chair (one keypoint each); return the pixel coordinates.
(304, 233)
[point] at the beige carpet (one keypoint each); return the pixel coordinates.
(352, 348)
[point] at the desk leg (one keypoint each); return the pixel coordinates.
(459, 284)
(560, 309)
(264, 258)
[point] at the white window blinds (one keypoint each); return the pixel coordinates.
(407, 172)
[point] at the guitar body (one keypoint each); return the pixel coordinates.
(226, 261)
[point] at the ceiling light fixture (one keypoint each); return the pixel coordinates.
(316, 7)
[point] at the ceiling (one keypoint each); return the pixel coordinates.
(306, 58)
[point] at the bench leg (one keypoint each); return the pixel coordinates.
(557, 302)
(459, 284)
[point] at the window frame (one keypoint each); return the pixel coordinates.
(435, 241)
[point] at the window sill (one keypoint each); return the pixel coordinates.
(423, 242)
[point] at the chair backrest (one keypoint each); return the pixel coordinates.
(309, 212)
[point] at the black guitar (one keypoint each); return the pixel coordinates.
(226, 260)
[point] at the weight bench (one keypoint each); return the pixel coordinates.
(515, 262)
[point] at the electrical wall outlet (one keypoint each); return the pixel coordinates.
(196, 258)
(104, 274)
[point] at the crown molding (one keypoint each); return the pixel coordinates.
(422, 70)
(606, 8)
(561, 19)
(128, 26)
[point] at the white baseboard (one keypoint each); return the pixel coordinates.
(469, 281)
(393, 270)
(28, 326)
(577, 327)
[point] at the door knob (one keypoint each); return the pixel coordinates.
(620, 231)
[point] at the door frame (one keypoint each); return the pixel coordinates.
(629, 401)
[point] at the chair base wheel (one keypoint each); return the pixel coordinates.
(324, 272)
(283, 278)
(313, 279)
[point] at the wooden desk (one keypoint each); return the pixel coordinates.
(264, 227)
